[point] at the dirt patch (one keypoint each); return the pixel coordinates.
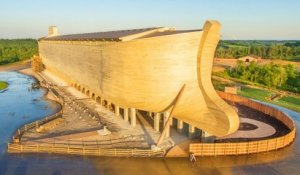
(15, 66)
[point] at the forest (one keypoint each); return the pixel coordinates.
(13, 50)
(272, 75)
(263, 48)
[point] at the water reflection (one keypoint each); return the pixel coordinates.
(17, 102)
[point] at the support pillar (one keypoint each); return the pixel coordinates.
(117, 110)
(179, 126)
(126, 111)
(109, 107)
(191, 131)
(156, 121)
(132, 116)
(166, 116)
(102, 102)
(207, 137)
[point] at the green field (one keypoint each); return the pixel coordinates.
(289, 102)
(3, 85)
(257, 94)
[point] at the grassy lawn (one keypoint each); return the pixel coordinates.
(257, 94)
(220, 86)
(289, 102)
(3, 85)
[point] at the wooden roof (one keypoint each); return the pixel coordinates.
(120, 35)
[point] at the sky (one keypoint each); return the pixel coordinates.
(240, 19)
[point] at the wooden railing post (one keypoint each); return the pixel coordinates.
(36, 124)
(68, 146)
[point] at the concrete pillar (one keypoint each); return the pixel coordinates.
(166, 116)
(126, 114)
(101, 102)
(132, 116)
(206, 134)
(156, 121)
(207, 137)
(117, 110)
(179, 125)
(109, 106)
(191, 131)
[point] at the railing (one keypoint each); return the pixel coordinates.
(91, 150)
(213, 149)
(18, 134)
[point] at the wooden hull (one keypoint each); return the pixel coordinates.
(147, 74)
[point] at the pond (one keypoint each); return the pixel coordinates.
(18, 106)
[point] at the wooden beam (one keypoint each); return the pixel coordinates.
(161, 137)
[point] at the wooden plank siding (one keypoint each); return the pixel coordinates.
(147, 73)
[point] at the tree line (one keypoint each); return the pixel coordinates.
(264, 49)
(13, 50)
(272, 75)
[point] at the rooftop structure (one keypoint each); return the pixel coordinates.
(120, 35)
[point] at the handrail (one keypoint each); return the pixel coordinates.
(84, 150)
(19, 132)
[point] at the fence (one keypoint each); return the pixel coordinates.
(213, 149)
(91, 150)
(18, 134)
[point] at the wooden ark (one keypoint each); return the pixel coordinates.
(145, 69)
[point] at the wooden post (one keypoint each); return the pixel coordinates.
(191, 131)
(179, 125)
(98, 148)
(126, 114)
(156, 121)
(166, 115)
(132, 116)
(117, 110)
(160, 139)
